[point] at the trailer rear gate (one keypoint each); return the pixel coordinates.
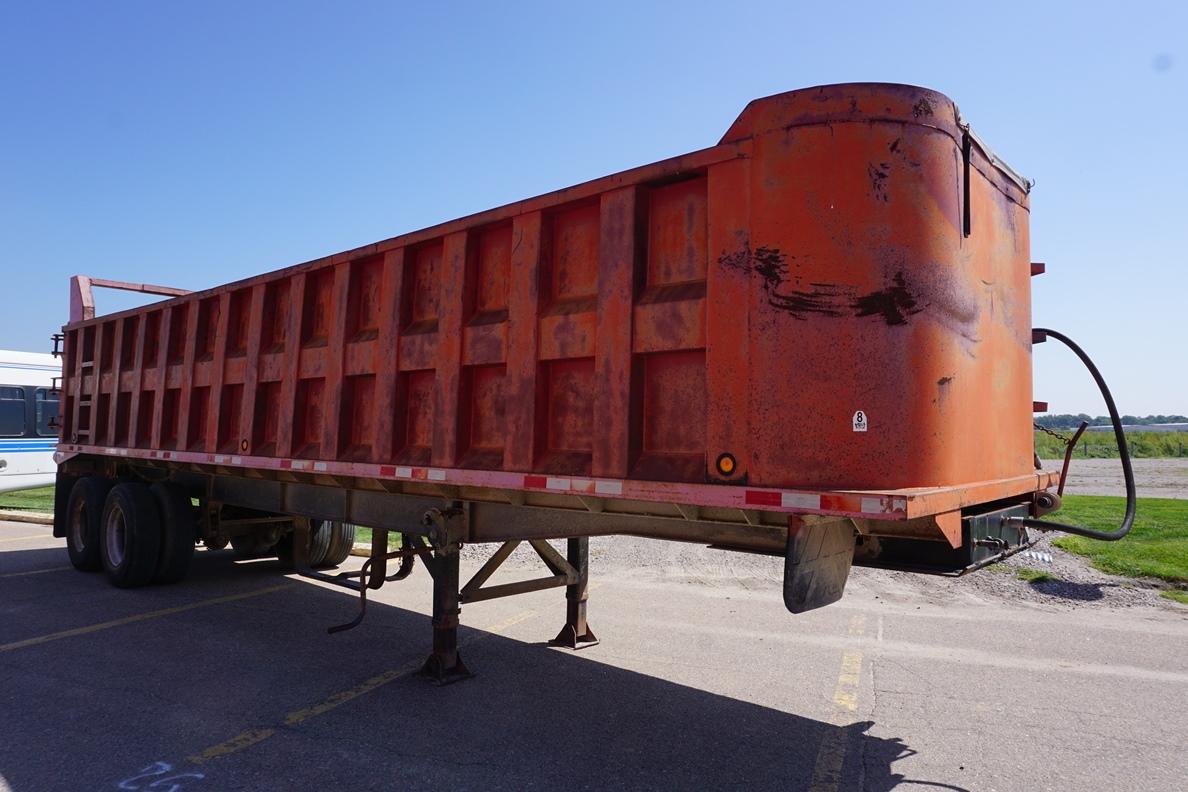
(816, 332)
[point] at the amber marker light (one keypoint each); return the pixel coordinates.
(726, 464)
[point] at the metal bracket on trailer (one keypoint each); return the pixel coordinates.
(563, 573)
(572, 572)
(438, 548)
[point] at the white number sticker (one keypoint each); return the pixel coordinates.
(860, 421)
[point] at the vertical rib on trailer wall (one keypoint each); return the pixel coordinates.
(388, 367)
(728, 330)
(251, 367)
(521, 392)
(448, 365)
(617, 268)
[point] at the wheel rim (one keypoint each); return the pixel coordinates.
(78, 527)
(115, 535)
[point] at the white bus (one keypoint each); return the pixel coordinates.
(28, 419)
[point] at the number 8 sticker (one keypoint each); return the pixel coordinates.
(860, 421)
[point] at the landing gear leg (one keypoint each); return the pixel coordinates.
(576, 634)
(445, 664)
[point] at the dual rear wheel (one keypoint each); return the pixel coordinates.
(137, 533)
(143, 534)
(330, 543)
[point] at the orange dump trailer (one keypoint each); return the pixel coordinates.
(812, 339)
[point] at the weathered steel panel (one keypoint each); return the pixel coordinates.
(723, 317)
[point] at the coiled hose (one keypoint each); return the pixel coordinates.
(1123, 453)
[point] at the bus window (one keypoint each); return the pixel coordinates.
(12, 411)
(46, 411)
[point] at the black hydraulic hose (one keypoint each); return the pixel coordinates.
(1123, 453)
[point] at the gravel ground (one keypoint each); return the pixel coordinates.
(1155, 478)
(1080, 584)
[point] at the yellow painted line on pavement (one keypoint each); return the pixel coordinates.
(91, 628)
(831, 755)
(30, 536)
(336, 700)
(34, 572)
(845, 695)
(237, 743)
(247, 739)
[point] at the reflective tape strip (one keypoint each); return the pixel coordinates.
(873, 506)
(761, 498)
(800, 500)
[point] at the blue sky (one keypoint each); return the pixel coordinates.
(196, 144)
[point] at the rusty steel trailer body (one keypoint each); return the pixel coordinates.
(812, 339)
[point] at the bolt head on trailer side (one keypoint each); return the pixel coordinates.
(812, 339)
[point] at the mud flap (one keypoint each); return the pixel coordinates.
(817, 563)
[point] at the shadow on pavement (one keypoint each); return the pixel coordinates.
(1084, 592)
(18, 561)
(92, 711)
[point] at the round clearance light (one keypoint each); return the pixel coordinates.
(726, 464)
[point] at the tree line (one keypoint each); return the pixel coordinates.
(1067, 421)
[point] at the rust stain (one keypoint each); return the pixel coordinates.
(771, 265)
(894, 303)
(878, 179)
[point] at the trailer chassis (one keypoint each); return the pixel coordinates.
(434, 521)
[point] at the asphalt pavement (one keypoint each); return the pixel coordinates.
(230, 681)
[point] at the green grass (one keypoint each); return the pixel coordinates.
(1157, 546)
(38, 500)
(363, 536)
(1176, 595)
(1102, 445)
(1035, 575)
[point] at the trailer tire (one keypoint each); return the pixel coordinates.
(84, 521)
(130, 541)
(179, 528)
(319, 543)
(342, 539)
